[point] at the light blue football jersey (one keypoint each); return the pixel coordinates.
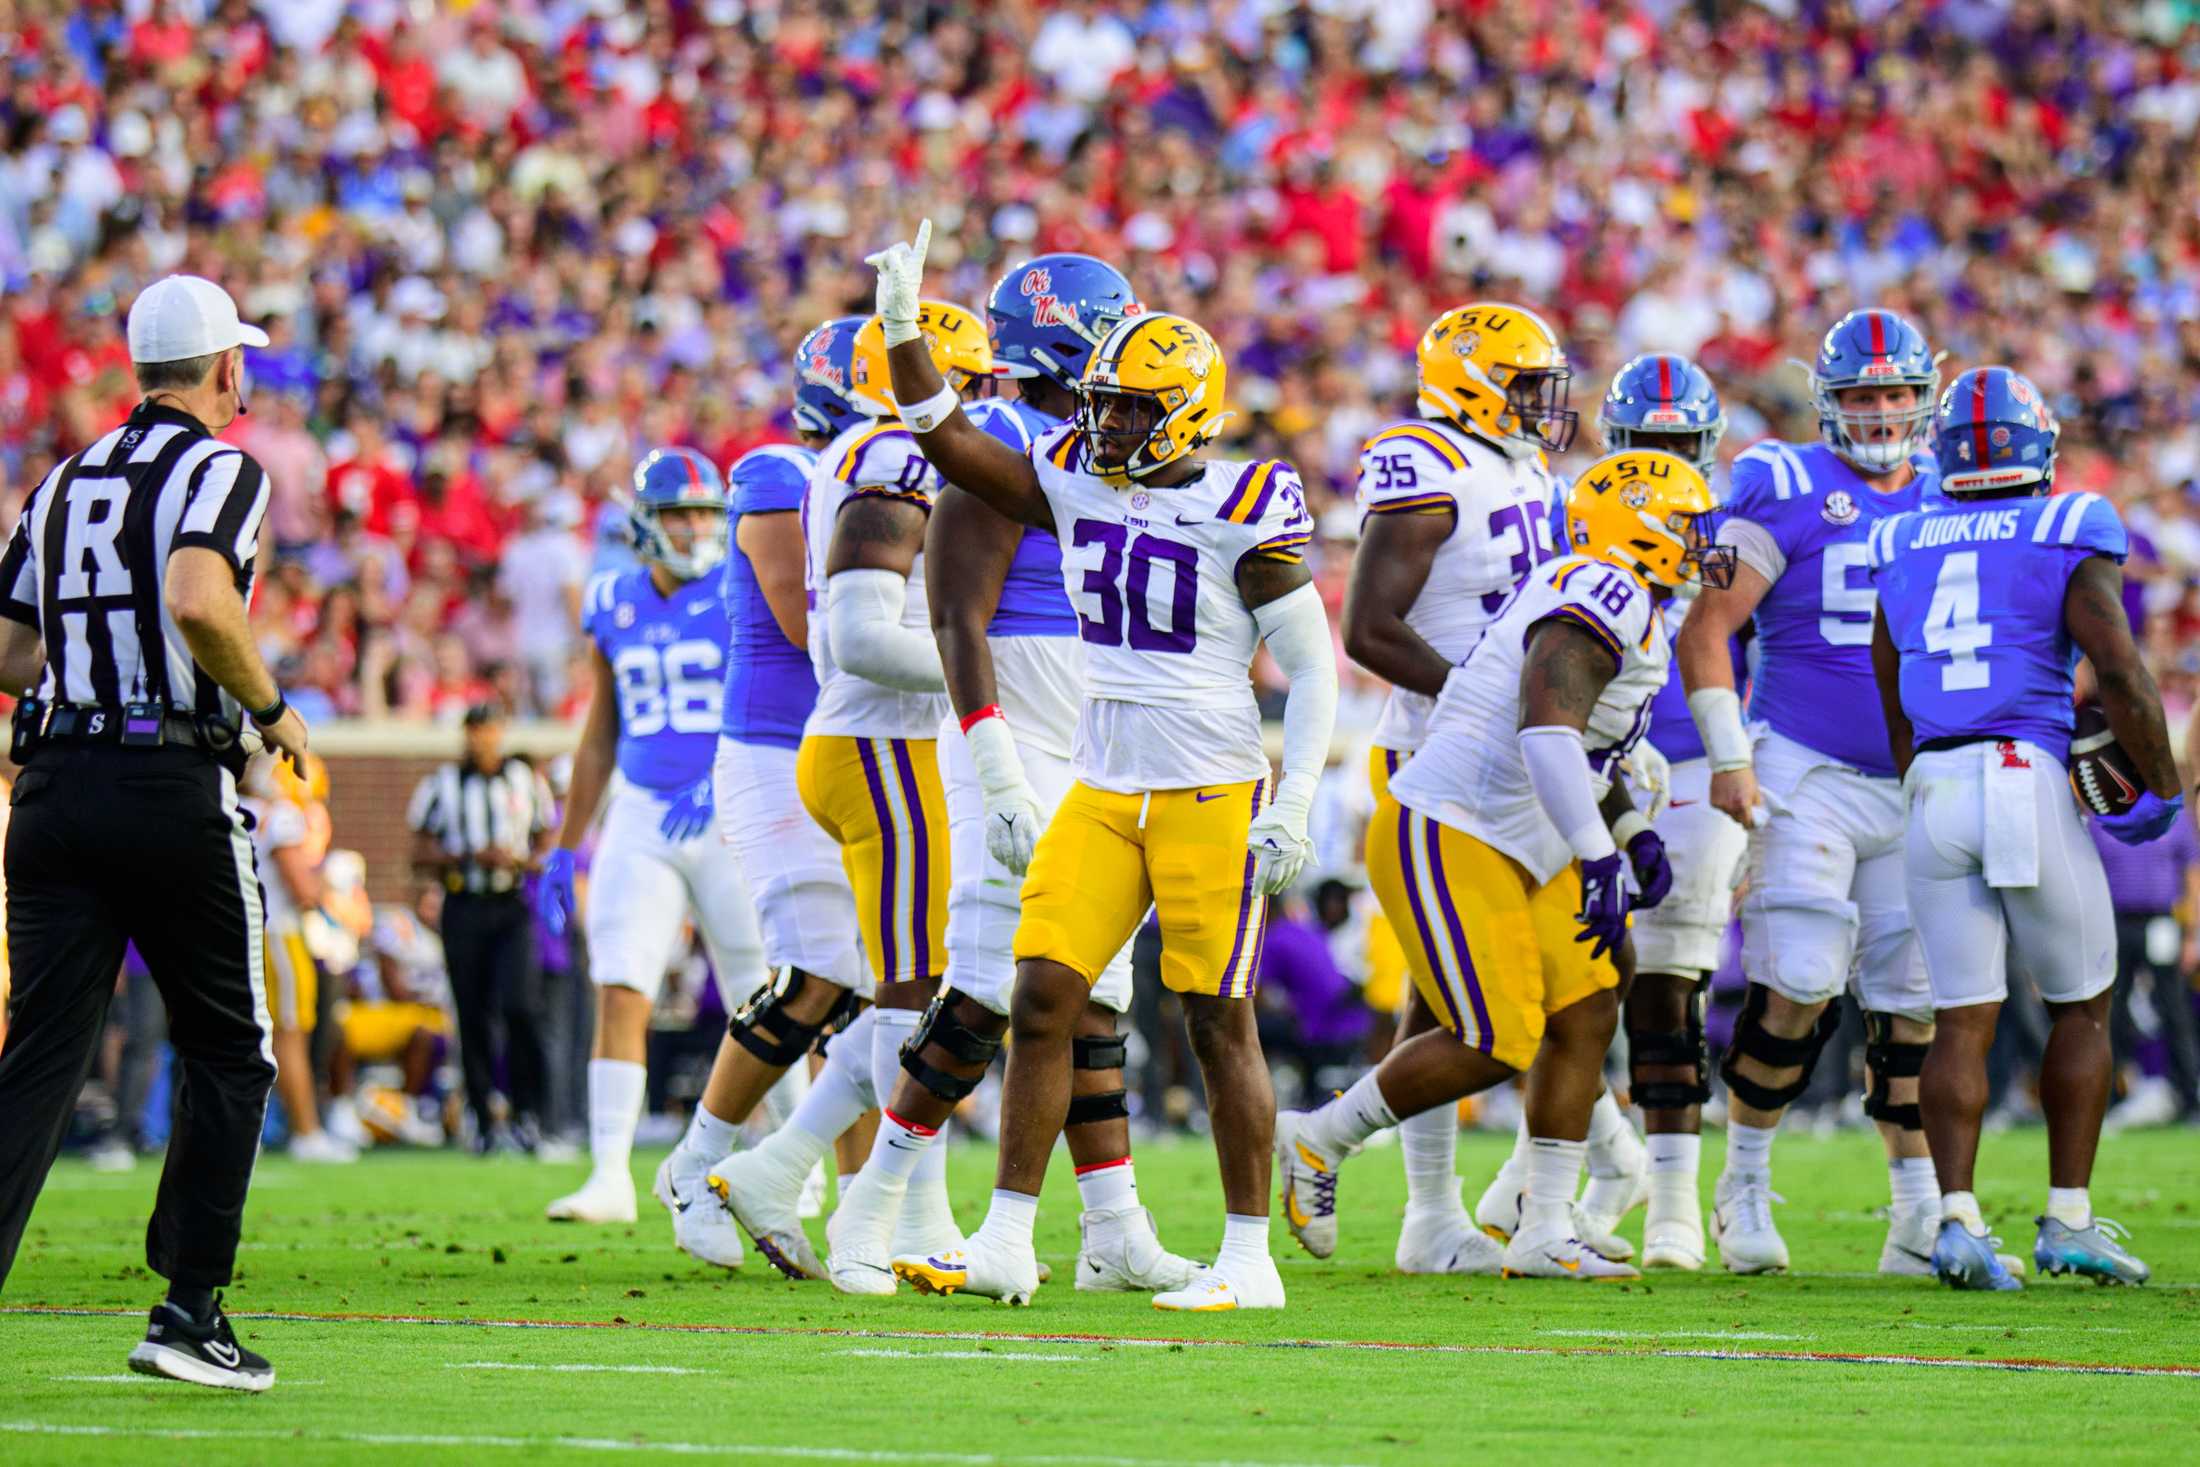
(1814, 627)
(667, 656)
(1973, 596)
(770, 685)
(1033, 603)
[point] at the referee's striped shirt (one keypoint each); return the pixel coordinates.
(465, 812)
(89, 558)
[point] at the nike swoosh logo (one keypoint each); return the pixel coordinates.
(1194, 521)
(1676, 804)
(679, 1203)
(1203, 799)
(1913, 1253)
(1296, 1213)
(225, 1355)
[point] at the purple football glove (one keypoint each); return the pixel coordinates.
(1653, 872)
(1603, 914)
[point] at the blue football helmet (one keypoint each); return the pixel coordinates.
(1049, 314)
(1994, 436)
(1666, 402)
(678, 478)
(821, 369)
(1874, 348)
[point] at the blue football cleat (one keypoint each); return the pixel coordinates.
(2091, 1251)
(1964, 1260)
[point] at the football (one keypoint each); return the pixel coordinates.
(2102, 776)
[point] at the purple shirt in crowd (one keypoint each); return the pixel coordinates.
(2148, 879)
(1295, 962)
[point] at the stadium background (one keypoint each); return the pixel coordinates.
(503, 248)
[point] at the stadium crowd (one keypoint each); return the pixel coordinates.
(502, 247)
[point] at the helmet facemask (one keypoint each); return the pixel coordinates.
(1876, 439)
(1125, 426)
(657, 541)
(1535, 400)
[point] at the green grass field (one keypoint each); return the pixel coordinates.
(419, 1309)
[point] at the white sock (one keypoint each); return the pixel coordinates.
(1108, 1186)
(1553, 1172)
(1342, 1126)
(1610, 1133)
(616, 1089)
(1244, 1240)
(1430, 1141)
(890, 1029)
(839, 1093)
(707, 1134)
(850, 1052)
(932, 1161)
(1963, 1207)
(1749, 1151)
(1010, 1219)
(1674, 1154)
(786, 1093)
(1911, 1183)
(900, 1146)
(2070, 1206)
(1521, 1138)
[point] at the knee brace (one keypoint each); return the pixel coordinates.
(764, 1028)
(1097, 1052)
(1664, 1049)
(943, 1027)
(1752, 1040)
(1890, 1060)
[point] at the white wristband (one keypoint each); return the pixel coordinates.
(897, 331)
(1627, 827)
(1718, 715)
(923, 417)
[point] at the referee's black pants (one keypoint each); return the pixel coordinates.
(108, 846)
(496, 982)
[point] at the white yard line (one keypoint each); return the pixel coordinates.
(960, 1355)
(1668, 1334)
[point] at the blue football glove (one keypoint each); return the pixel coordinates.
(2150, 819)
(689, 814)
(1653, 872)
(558, 903)
(1603, 914)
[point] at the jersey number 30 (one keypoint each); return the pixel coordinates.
(1101, 614)
(678, 686)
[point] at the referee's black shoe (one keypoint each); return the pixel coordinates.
(202, 1352)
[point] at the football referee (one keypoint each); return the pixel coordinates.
(122, 601)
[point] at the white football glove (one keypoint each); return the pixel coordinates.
(1650, 775)
(900, 269)
(1278, 840)
(1011, 809)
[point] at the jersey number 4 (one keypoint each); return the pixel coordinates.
(678, 686)
(1108, 586)
(1952, 627)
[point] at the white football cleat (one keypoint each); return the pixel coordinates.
(859, 1235)
(323, 1149)
(750, 1189)
(606, 1197)
(1232, 1285)
(1741, 1224)
(1672, 1233)
(980, 1266)
(700, 1227)
(927, 1221)
(1119, 1251)
(1557, 1254)
(1309, 1182)
(1497, 1211)
(813, 1194)
(1600, 1237)
(1911, 1234)
(1447, 1243)
(1608, 1200)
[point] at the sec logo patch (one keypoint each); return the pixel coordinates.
(622, 615)
(1839, 508)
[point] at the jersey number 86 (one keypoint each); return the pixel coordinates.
(677, 686)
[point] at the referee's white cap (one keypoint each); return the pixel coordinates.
(186, 316)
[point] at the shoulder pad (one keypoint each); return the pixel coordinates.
(1266, 492)
(2083, 522)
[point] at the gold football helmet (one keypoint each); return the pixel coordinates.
(1497, 371)
(1152, 394)
(954, 335)
(1650, 513)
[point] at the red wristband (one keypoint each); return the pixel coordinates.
(990, 710)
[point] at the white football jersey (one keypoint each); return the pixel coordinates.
(1469, 773)
(1501, 531)
(1168, 640)
(281, 824)
(878, 458)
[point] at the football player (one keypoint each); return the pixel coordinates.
(289, 852)
(1455, 509)
(1984, 609)
(792, 869)
(1178, 570)
(1816, 784)
(658, 638)
(1505, 858)
(1009, 644)
(1668, 403)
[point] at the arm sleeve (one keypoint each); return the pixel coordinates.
(224, 510)
(863, 612)
(1558, 768)
(1297, 632)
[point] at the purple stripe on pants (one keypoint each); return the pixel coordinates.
(888, 864)
(920, 919)
(1245, 908)
(1420, 916)
(1458, 939)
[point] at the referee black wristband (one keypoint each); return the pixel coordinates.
(272, 713)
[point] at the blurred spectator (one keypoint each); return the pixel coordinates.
(2153, 1015)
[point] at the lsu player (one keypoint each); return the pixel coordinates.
(1817, 786)
(1984, 609)
(1178, 570)
(1455, 514)
(659, 638)
(1505, 855)
(868, 767)
(1668, 403)
(289, 851)
(1009, 644)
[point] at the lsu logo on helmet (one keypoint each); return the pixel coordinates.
(954, 337)
(1152, 394)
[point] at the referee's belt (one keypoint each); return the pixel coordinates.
(74, 724)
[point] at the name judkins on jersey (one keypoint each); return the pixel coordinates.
(1977, 524)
